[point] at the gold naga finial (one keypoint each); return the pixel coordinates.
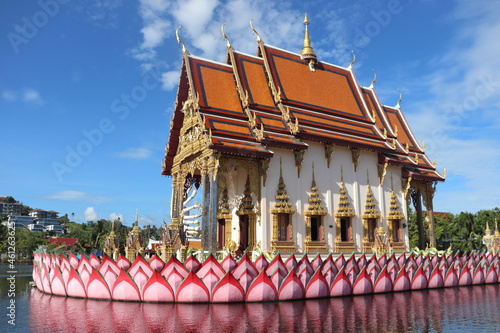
(444, 173)
(423, 146)
(398, 105)
(228, 44)
(255, 31)
(184, 50)
(372, 84)
(353, 60)
(307, 52)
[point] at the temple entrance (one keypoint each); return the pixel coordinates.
(221, 233)
(244, 230)
(345, 230)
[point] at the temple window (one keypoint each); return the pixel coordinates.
(372, 229)
(316, 228)
(345, 229)
(396, 231)
(283, 227)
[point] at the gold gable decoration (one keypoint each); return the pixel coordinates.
(344, 209)
(316, 210)
(370, 212)
(315, 206)
(282, 206)
(394, 211)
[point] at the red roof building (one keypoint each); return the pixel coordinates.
(266, 132)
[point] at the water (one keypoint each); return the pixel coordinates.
(462, 309)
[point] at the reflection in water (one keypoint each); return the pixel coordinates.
(440, 310)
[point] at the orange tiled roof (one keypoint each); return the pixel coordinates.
(327, 104)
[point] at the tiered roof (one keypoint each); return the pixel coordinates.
(278, 99)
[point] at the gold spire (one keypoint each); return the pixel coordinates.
(184, 50)
(315, 206)
(307, 52)
(282, 204)
(344, 209)
(497, 233)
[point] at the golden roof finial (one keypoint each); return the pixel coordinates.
(497, 233)
(228, 44)
(307, 52)
(353, 59)
(184, 50)
(398, 105)
(255, 31)
(372, 85)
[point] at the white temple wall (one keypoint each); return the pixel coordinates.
(328, 184)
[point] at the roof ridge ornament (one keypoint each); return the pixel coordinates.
(228, 43)
(307, 52)
(372, 84)
(255, 31)
(398, 105)
(184, 50)
(353, 60)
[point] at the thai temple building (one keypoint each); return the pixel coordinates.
(293, 154)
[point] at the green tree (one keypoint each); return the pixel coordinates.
(27, 242)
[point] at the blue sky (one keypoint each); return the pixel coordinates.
(87, 89)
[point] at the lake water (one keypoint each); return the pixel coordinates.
(461, 309)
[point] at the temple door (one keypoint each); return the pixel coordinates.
(221, 233)
(243, 232)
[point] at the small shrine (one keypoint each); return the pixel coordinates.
(112, 243)
(133, 244)
(492, 242)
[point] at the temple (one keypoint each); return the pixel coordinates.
(292, 154)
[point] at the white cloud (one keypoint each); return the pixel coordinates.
(458, 119)
(90, 214)
(77, 196)
(135, 153)
(114, 216)
(9, 95)
(28, 95)
(31, 95)
(170, 79)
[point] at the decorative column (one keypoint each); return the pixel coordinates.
(205, 218)
(429, 191)
(417, 203)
